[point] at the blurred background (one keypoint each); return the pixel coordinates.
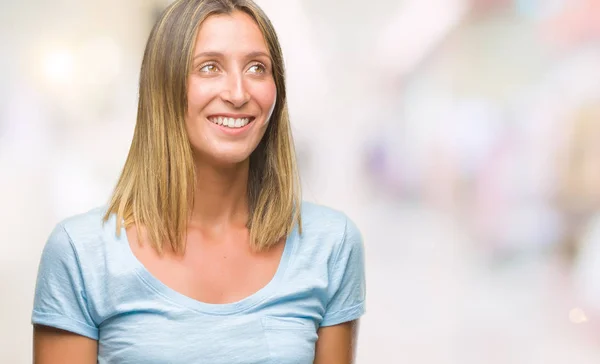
(462, 136)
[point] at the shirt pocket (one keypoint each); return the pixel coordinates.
(291, 340)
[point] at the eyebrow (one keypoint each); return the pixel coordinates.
(220, 55)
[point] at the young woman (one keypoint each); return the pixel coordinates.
(206, 253)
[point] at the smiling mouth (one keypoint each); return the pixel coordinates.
(233, 123)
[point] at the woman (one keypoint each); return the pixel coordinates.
(206, 253)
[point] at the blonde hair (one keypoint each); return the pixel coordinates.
(156, 187)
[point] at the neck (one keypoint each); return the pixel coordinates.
(221, 196)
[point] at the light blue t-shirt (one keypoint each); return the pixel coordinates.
(91, 283)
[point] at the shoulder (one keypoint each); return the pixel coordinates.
(81, 234)
(314, 213)
(329, 230)
(318, 219)
(86, 223)
(74, 274)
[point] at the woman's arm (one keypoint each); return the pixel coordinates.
(337, 344)
(53, 346)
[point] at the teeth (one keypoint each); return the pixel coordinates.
(230, 122)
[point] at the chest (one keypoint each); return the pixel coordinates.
(212, 273)
(151, 338)
(148, 318)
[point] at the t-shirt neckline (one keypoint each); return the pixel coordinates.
(209, 308)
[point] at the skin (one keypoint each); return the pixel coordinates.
(337, 344)
(231, 76)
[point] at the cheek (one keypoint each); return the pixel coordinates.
(273, 103)
(198, 95)
(266, 97)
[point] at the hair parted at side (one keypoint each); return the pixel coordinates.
(156, 187)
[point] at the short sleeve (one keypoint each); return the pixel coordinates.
(347, 280)
(60, 299)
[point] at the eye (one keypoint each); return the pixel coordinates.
(209, 68)
(257, 68)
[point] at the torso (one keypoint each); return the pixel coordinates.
(218, 303)
(216, 270)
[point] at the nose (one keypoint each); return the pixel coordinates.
(235, 92)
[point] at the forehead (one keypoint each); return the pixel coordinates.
(230, 33)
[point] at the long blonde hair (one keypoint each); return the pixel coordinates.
(156, 187)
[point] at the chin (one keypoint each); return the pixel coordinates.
(232, 160)
(224, 158)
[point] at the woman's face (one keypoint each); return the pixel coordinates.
(231, 89)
